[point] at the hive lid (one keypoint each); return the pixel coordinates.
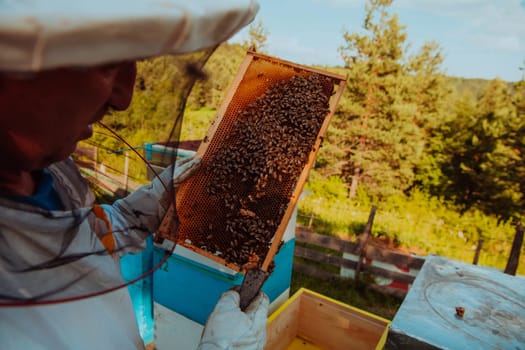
(494, 305)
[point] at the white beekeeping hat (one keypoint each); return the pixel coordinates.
(42, 34)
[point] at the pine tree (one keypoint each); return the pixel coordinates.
(258, 35)
(384, 128)
(482, 155)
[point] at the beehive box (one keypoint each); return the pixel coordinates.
(255, 159)
(309, 320)
(455, 305)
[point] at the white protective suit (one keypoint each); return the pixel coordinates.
(47, 254)
(51, 255)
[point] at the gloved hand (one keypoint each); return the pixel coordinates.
(228, 328)
(184, 169)
(181, 171)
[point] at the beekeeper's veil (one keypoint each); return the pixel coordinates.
(37, 35)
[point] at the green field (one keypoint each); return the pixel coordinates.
(418, 223)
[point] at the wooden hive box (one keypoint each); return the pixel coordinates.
(309, 320)
(456, 305)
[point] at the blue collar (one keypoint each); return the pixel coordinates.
(45, 197)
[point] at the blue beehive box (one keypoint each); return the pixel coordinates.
(493, 305)
(188, 286)
(184, 291)
(141, 292)
(191, 286)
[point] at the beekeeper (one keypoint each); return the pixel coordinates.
(63, 65)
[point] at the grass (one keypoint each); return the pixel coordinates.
(418, 224)
(196, 123)
(349, 292)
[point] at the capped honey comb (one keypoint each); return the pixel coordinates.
(255, 159)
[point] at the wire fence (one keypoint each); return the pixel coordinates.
(386, 270)
(135, 163)
(109, 177)
(486, 249)
(310, 220)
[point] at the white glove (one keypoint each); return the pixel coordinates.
(228, 328)
(184, 169)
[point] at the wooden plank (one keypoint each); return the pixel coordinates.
(104, 185)
(325, 241)
(372, 252)
(283, 325)
(364, 241)
(400, 277)
(313, 271)
(478, 251)
(302, 344)
(393, 257)
(335, 326)
(278, 60)
(398, 293)
(319, 257)
(86, 151)
(316, 256)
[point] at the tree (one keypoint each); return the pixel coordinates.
(482, 155)
(384, 129)
(431, 173)
(258, 35)
(221, 69)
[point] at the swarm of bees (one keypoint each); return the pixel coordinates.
(253, 175)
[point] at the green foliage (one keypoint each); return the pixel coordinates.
(462, 86)
(258, 35)
(394, 102)
(349, 292)
(160, 93)
(442, 166)
(419, 223)
(332, 188)
(479, 154)
(196, 123)
(220, 69)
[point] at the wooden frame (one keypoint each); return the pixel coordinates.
(309, 320)
(186, 190)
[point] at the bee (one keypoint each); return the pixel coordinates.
(460, 311)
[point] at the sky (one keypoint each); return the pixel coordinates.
(479, 38)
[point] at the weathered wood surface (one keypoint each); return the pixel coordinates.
(325, 241)
(313, 247)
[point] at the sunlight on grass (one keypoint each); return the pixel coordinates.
(418, 223)
(350, 292)
(196, 123)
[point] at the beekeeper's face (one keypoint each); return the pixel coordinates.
(44, 115)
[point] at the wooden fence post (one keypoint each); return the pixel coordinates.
(478, 250)
(364, 241)
(514, 257)
(311, 221)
